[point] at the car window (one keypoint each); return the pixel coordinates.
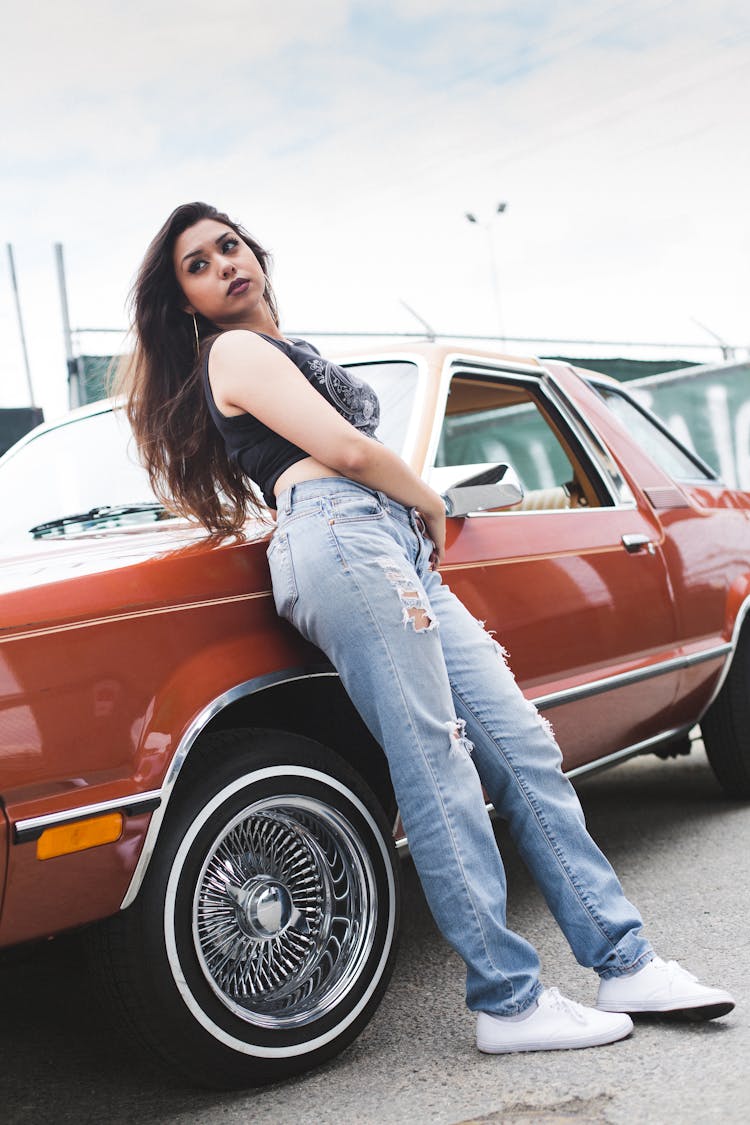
(489, 421)
(668, 454)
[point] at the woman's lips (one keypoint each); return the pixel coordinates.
(239, 285)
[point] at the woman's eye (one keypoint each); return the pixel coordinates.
(196, 265)
(229, 244)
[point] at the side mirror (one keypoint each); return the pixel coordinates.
(496, 487)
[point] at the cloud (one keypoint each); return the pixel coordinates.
(352, 138)
(86, 45)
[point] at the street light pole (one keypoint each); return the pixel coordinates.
(487, 227)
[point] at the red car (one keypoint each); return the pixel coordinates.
(178, 766)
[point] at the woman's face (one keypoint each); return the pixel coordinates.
(220, 276)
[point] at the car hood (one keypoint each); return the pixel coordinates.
(92, 574)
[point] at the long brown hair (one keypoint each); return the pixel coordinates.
(162, 379)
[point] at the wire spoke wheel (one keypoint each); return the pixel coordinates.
(285, 911)
(266, 929)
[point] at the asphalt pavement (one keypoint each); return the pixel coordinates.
(681, 850)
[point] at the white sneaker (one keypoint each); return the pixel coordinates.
(556, 1024)
(663, 988)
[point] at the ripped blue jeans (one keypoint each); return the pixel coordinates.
(350, 571)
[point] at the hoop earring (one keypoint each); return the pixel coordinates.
(197, 338)
(268, 298)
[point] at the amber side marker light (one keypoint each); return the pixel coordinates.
(67, 838)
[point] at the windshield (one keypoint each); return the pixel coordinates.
(85, 463)
(91, 462)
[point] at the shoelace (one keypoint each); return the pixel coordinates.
(676, 972)
(569, 1007)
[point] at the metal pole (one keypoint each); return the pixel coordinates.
(14, 284)
(76, 387)
(487, 227)
(495, 282)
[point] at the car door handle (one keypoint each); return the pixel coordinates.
(634, 542)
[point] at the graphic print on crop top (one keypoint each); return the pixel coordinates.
(264, 455)
(352, 397)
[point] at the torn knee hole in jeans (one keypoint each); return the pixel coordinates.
(415, 610)
(417, 614)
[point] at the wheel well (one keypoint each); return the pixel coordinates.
(319, 708)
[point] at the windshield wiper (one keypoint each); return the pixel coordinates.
(98, 515)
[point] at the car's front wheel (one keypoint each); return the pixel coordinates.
(265, 933)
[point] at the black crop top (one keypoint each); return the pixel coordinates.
(263, 454)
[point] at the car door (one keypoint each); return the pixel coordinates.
(706, 544)
(573, 581)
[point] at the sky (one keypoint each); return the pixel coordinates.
(351, 139)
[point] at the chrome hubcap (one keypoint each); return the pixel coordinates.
(285, 911)
(264, 907)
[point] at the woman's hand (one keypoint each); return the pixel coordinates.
(434, 520)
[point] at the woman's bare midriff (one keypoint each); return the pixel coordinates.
(308, 469)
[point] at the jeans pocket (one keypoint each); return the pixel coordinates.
(284, 583)
(353, 507)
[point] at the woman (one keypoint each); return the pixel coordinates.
(355, 560)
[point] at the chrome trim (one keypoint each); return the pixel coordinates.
(636, 675)
(628, 752)
(133, 805)
(490, 363)
(582, 510)
(594, 446)
(633, 541)
(201, 720)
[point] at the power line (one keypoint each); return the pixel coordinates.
(376, 335)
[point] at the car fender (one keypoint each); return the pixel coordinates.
(738, 606)
(190, 735)
(202, 685)
(738, 609)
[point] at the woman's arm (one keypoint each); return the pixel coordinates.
(250, 374)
